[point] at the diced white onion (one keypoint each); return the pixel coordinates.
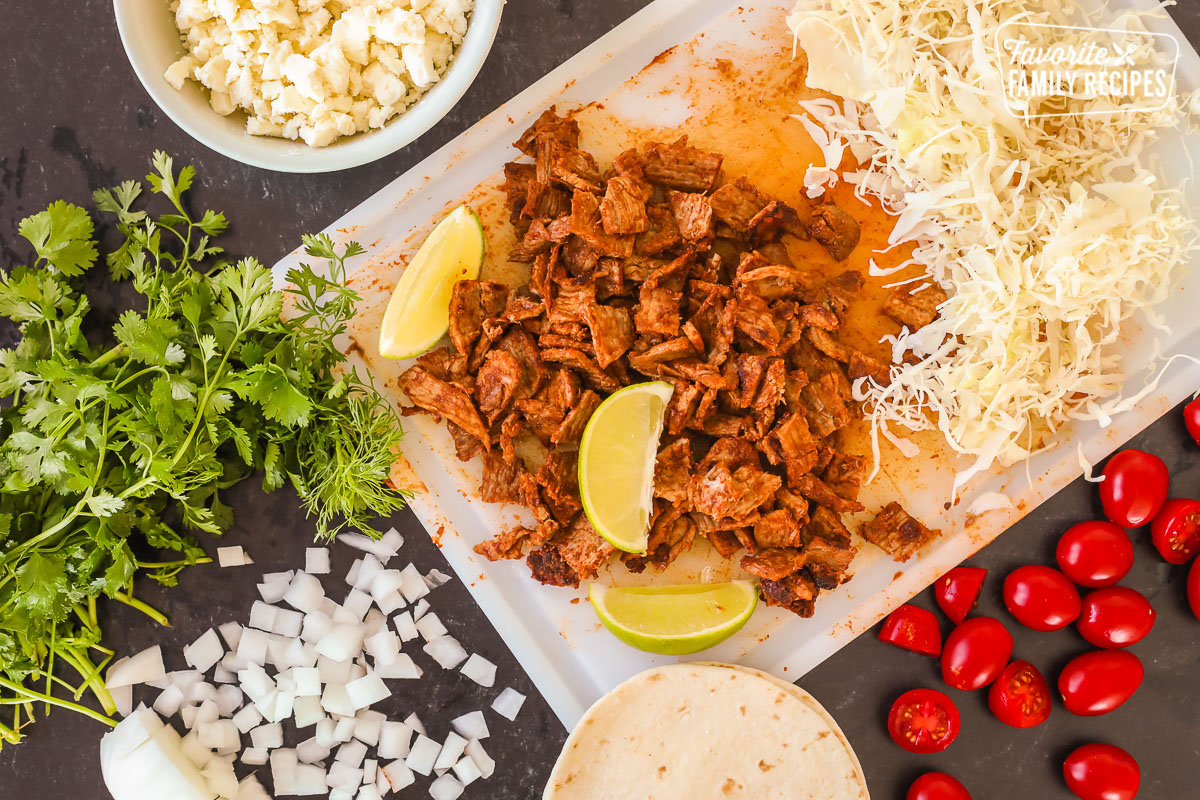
(452, 750)
(310, 751)
(367, 690)
(254, 756)
(412, 584)
(232, 556)
(430, 627)
(467, 771)
(476, 753)
(480, 670)
(422, 755)
(268, 736)
(316, 560)
(509, 703)
(305, 593)
(247, 719)
(446, 787)
(471, 726)
(446, 651)
(143, 667)
(406, 629)
(437, 578)
(351, 753)
(368, 726)
(399, 775)
(394, 738)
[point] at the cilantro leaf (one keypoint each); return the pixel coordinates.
(62, 236)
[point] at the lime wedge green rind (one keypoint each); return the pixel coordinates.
(616, 463)
(675, 620)
(418, 313)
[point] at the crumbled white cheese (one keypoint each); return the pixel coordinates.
(316, 70)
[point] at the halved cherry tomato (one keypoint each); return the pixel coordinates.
(1115, 617)
(1020, 697)
(1191, 418)
(1101, 681)
(924, 721)
(976, 653)
(1102, 772)
(1095, 553)
(913, 628)
(1134, 488)
(1041, 598)
(937, 786)
(1193, 588)
(957, 591)
(1175, 530)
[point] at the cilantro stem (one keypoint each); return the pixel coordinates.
(29, 694)
(112, 355)
(146, 609)
(91, 677)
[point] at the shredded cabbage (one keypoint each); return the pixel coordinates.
(1046, 232)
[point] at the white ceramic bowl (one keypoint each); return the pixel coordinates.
(152, 43)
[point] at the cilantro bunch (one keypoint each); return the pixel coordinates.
(114, 448)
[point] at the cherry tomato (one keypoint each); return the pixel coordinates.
(1041, 598)
(1102, 772)
(957, 591)
(1193, 588)
(1191, 418)
(937, 786)
(913, 628)
(1020, 697)
(1134, 488)
(1115, 617)
(975, 653)
(1095, 554)
(1176, 530)
(924, 721)
(1101, 681)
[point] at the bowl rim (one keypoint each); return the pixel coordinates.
(351, 151)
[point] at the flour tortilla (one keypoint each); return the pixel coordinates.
(699, 731)
(807, 699)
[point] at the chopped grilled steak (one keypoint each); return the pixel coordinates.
(646, 270)
(501, 482)
(496, 384)
(823, 405)
(816, 490)
(588, 370)
(775, 563)
(658, 311)
(828, 560)
(471, 302)
(443, 399)
(504, 545)
(571, 428)
(844, 474)
(774, 220)
(548, 126)
(863, 366)
(913, 308)
(778, 528)
(736, 203)
(612, 332)
(582, 548)
(796, 593)
(585, 223)
(545, 202)
(680, 167)
(693, 216)
(466, 446)
(661, 234)
(623, 209)
(548, 566)
(574, 168)
(672, 469)
(836, 230)
(896, 533)
(824, 341)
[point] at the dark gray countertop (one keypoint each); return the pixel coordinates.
(75, 118)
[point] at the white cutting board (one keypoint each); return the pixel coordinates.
(552, 631)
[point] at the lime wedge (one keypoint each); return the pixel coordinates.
(418, 314)
(616, 463)
(675, 620)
